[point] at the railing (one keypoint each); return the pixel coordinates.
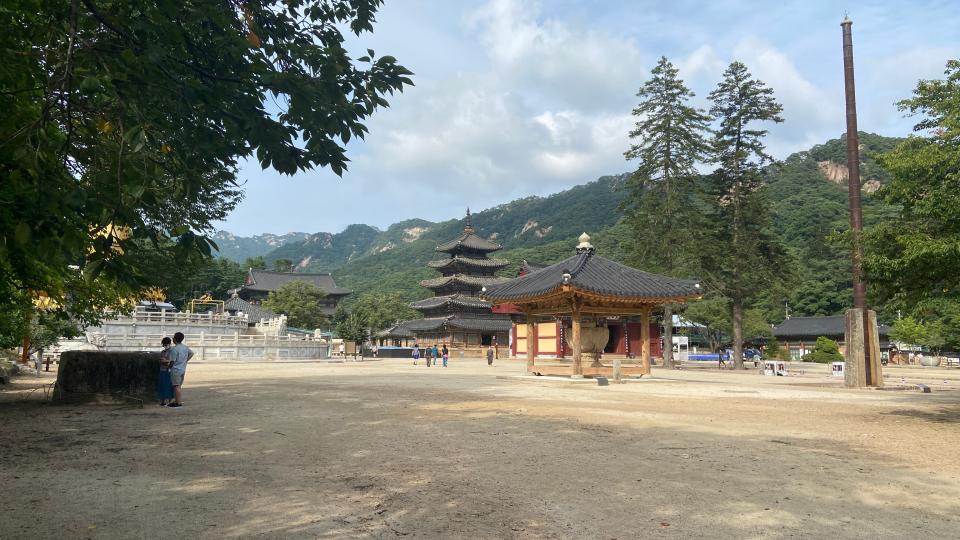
(141, 315)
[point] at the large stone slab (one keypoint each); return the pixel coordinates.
(83, 375)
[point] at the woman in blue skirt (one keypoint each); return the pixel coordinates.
(164, 384)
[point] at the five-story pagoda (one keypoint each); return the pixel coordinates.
(456, 315)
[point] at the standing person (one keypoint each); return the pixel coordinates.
(164, 385)
(375, 349)
(342, 350)
(490, 355)
(428, 354)
(446, 354)
(416, 353)
(436, 353)
(180, 354)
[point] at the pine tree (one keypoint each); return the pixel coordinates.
(659, 207)
(741, 257)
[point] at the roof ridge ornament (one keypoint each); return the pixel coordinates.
(469, 228)
(584, 246)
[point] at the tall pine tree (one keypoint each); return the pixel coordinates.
(742, 257)
(670, 140)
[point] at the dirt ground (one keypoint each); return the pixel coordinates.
(385, 449)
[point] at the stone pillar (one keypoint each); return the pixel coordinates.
(645, 340)
(862, 360)
(530, 330)
(577, 342)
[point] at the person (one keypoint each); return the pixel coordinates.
(428, 354)
(436, 353)
(180, 354)
(164, 385)
(375, 349)
(490, 355)
(342, 350)
(446, 354)
(416, 353)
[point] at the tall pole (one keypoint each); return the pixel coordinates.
(853, 167)
(862, 365)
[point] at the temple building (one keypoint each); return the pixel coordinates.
(456, 315)
(260, 283)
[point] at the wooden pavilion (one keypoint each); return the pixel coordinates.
(592, 288)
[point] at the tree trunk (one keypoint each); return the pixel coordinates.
(668, 336)
(738, 333)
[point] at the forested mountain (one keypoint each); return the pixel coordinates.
(807, 191)
(240, 248)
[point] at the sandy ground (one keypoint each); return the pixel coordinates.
(384, 449)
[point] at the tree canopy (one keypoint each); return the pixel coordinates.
(300, 302)
(124, 121)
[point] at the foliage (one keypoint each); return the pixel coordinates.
(741, 256)
(669, 141)
(714, 314)
(774, 349)
(300, 302)
(380, 311)
(351, 326)
(255, 263)
(912, 259)
(911, 331)
(124, 121)
(824, 352)
(283, 265)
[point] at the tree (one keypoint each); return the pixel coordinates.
(379, 311)
(255, 263)
(911, 260)
(300, 302)
(124, 122)
(714, 315)
(741, 256)
(351, 326)
(283, 265)
(824, 352)
(660, 206)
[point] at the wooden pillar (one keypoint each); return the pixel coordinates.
(529, 338)
(577, 344)
(645, 340)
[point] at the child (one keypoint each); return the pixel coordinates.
(164, 383)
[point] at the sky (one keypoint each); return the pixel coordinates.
(514, 98)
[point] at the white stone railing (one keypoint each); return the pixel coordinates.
(142, 316)
(227, 347)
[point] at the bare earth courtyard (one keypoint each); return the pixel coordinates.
(385, 449)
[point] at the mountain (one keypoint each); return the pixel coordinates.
(807, 191)
(239, 248)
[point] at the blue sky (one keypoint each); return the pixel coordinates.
(516, 98)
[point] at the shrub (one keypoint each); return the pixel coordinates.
(825, 352)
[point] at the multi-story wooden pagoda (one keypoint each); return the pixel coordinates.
(456, 315)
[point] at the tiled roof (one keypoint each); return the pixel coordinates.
(461, 261)
(590, 272)
(492, 323)
(470, 241)
(262, 280)
(459, 300)
(399, 330)
(529, 267)
(254, 312)
(474, 281)
(814, 327)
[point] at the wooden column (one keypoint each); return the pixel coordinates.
(529, 338)
(645, 340)
(577, 344)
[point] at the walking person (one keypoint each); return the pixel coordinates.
(490, 355)
(164, 385)
(436, 354)
(428, 352)
(180, 354)
(446, 354)
(416, 353)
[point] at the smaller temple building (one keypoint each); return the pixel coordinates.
(798, 335)
(585, 304)
(260, 283)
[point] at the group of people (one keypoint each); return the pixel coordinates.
(173, 367)
(433, 354)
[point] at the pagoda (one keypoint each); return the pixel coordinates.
(456, 315)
